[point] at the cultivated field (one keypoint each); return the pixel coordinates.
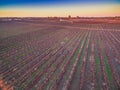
(53, 55)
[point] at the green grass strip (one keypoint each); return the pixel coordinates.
(109, 73)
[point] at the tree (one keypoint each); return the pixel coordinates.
(69, 16)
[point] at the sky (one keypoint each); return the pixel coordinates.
(59, 8)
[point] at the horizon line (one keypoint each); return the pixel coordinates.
(56, 16)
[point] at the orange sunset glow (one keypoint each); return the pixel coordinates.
(74, 10)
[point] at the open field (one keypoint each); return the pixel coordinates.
(46, 54)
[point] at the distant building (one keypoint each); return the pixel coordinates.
(7, 19)
(66, 20)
